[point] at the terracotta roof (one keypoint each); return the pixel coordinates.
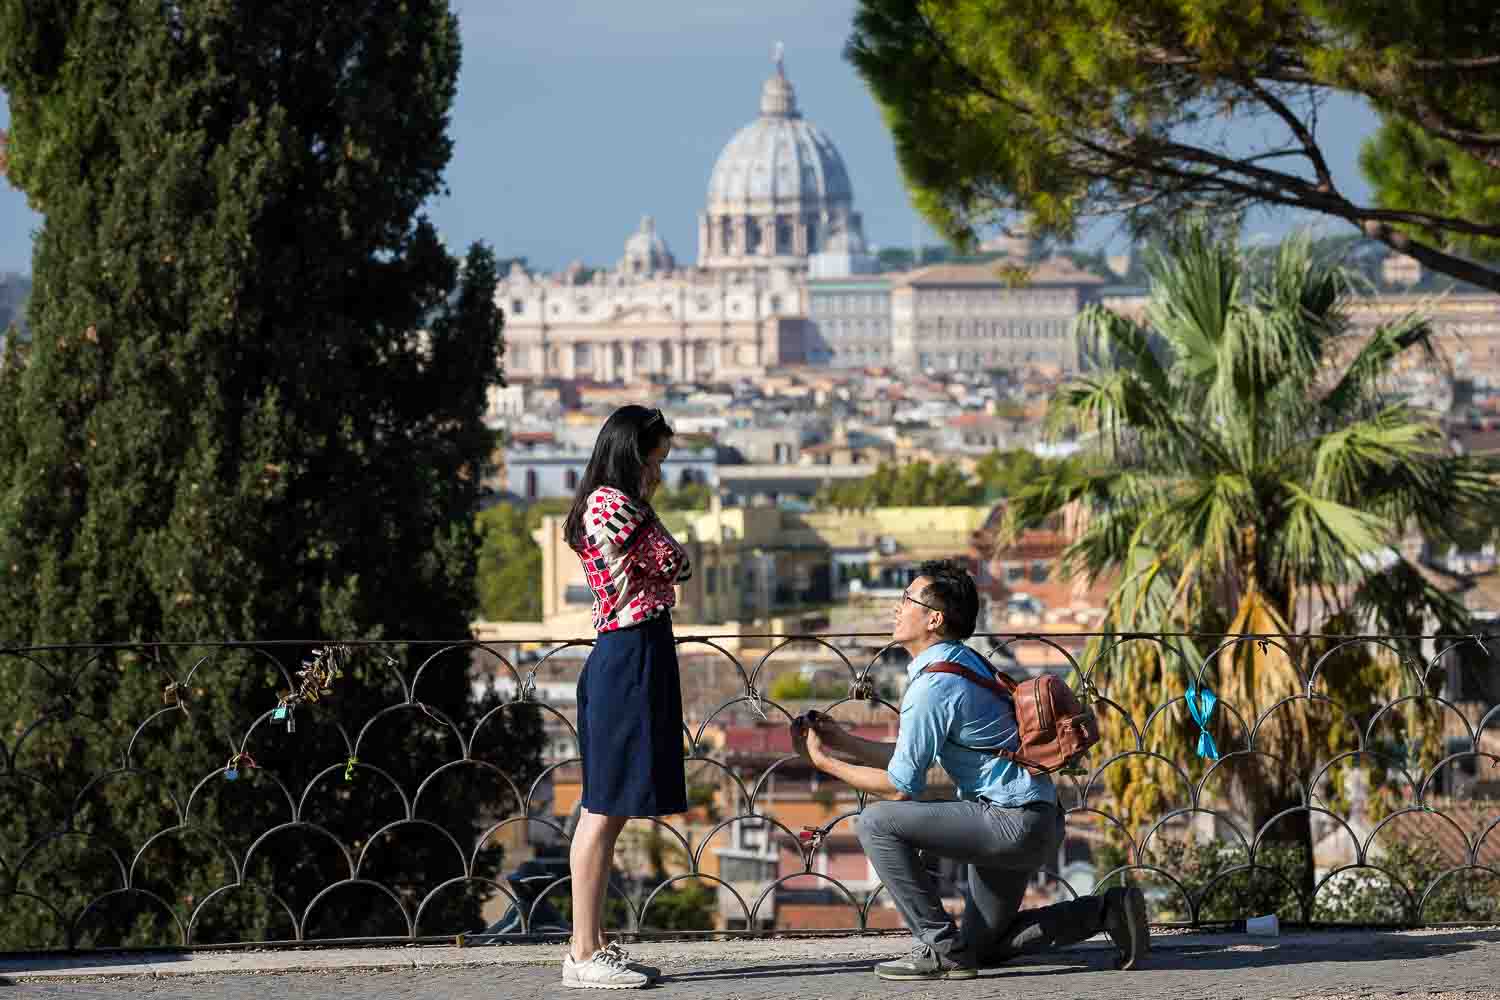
(1032, 545)
(982, 420)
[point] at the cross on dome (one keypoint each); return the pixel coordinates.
(777, 98)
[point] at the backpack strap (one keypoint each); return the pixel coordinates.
(1002, 686)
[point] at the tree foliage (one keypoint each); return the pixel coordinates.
(688, 496)
(1005, 473)
(251, 409)
(14, 290)
(510, 561)
(924, 484)
(1254, 475)
(1140, 108)
(912, 484)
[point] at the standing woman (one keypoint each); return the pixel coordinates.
(629, 694)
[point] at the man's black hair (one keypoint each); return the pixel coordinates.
(951, 590)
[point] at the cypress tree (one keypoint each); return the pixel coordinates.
(250, 409)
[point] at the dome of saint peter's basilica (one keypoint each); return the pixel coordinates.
(779, 191)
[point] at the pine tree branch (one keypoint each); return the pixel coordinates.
(1299, 129)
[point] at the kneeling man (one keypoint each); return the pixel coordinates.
(1006, 825)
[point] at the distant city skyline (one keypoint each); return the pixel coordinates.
(576, 118)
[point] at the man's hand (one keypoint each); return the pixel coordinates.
(813, 736)
(816, 749)
(829, 731)
(800, 730)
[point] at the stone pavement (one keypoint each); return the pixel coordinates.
(1433, 964)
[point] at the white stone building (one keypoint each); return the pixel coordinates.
(956, 317)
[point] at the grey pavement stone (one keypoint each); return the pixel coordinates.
(1431, 964)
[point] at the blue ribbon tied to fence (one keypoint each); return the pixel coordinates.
(1200, 703)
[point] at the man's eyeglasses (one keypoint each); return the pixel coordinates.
(907, 597)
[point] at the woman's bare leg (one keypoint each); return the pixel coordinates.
(589, 860)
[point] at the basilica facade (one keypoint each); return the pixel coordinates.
(779, 204)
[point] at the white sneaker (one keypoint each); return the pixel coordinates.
(603, 971)
(649, 971)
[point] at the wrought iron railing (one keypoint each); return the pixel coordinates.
(214, 794)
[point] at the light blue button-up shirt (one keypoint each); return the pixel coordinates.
(941, 710)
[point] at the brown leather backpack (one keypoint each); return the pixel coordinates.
(1056, 729)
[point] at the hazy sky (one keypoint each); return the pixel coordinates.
(576, 117)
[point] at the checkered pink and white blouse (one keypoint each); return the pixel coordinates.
(632, 562)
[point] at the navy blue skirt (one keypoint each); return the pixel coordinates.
(630, 723)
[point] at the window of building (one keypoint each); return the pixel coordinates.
(1015, 574)
(571, 478)
(1039, 572)
(711, 581)
(530, 484)
(578, 593)
(517, 307)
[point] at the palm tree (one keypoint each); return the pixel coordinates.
(1253, 471)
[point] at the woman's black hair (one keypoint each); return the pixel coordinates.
(629, 435)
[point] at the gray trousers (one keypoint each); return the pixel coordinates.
(1003, 848)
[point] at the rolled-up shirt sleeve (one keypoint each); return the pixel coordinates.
(925, 720)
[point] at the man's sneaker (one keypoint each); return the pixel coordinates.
(649, 971)
(1125, 921)
(603, 971)
(924, 963)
